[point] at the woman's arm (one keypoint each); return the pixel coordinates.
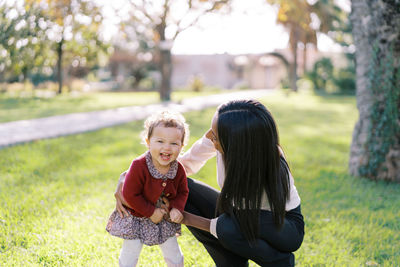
(198, 222)
(201, 151)
(119, 197)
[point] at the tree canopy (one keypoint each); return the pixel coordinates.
(304, 20)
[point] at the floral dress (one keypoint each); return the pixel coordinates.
(142, 228)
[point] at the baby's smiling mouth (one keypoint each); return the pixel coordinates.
(165, 156)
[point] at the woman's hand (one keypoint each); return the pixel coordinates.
(165, 204)
(158, 215)
(119, 198)
(175, 215)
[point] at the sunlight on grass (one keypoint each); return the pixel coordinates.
(56, 195)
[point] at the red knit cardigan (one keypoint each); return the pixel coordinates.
(141, 190)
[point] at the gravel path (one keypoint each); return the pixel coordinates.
(17, 132)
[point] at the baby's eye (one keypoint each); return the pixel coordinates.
(175, 144)
(159, 141)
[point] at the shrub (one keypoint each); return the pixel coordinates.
(326, 78)
(196, 83)
(345, 80)
(321, 73)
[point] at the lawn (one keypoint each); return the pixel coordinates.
(20, 107)
(56, 195)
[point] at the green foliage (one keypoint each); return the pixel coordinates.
(77, 42)
(326, 78)
(40, 78)
(345, 80)
(24, 46)
(321, 73)
(384, 130)
(335, 21)
(56, 195)
(285, 83)
(31, 31)
(298, 17)
(196, 83)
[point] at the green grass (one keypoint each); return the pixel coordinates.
(21, 108)
(56, 195)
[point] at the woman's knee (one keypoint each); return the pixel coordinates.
(228, 231)
(294, 237)
(231, 237)
(287, 239)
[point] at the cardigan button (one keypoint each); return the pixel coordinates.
(164, 184)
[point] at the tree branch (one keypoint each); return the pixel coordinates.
(143, 11)
(195, 21)
(166, 10)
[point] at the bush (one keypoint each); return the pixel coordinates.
(321, 73)
(196, 83)
(326, 78)
(345, 80)
(38, 78)
(147, 84)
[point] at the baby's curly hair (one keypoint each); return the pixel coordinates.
(166, 118)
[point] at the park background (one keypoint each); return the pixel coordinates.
(332, 68)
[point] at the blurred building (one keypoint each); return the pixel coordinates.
(228, 71)
(224, 70)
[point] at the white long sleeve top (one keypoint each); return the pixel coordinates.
(202, 150)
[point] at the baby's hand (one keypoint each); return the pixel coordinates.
(175, 215)
(157, 216)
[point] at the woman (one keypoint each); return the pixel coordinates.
(257, 214)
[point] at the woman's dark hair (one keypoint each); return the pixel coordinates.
(253, 166)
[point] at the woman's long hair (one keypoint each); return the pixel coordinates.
(249, 140)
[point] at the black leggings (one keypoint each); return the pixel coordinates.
(273, 248)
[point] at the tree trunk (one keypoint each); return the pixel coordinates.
(165, 63)
(166, 73)
(293, 67)
(293, 71)
(305, 59)
(25, 77)
(59, 66)
(375, 148)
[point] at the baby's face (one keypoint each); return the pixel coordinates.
(165, 144)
